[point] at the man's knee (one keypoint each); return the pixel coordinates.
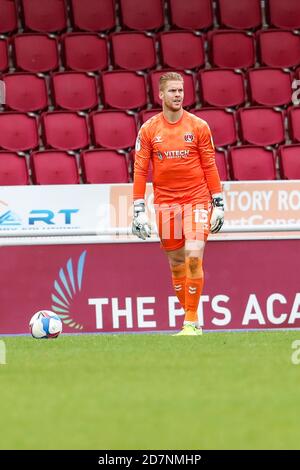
(194, 267)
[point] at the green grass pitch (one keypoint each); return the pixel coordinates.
(218, 391)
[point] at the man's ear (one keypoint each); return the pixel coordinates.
(161, 95)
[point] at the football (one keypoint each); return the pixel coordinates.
(45, 324)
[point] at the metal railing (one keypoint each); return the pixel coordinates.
(126, 231)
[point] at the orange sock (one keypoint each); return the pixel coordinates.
(193, 288)
(178, 279)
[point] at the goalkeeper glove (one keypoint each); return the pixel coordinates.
(140, 225)
(217, 216)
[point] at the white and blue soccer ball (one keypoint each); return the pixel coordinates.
(45, 324)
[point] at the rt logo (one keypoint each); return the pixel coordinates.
(295, 358)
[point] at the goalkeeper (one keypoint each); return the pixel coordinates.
(187, 192)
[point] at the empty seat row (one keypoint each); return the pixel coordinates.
(95, 15)
(66, 130)
(250, 162)
(58, 167)
(109, 166)
(76, 91)
(182, 50)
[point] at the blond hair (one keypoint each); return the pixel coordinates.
(168, 77)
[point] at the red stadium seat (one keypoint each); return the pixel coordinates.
(124, 90)
(92, 15)
(25, 92)
(18, 132)
(241, 14)
(233, 49)
(252, 163)
(3, 54)
(189, 87)
(8, 16)
(222, 164)
(13, 169)
(133, 50)
(148, 114)
(289, 159)
(113, 129)
(36, 52)
(222, 124)
(269, 86)
(279, 48)
(222, 87)
(44, 16)
(74, 91)
(182, 49)
(261, 126)
(54, 167)
(294, 123)
(104, 167)
(142, 16)
(193, 14)
(85, 52)
(283, 14)
(64, 130)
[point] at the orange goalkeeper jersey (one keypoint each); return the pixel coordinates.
(183, 160)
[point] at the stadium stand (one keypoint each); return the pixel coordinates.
(261, 126)
(278, 48)
(113, 129)
(25, 92)
(19, 131)
(234, 49)
(241, 14)
(92, 15)
(74, 69)
(289, 158)
(64, 130)
(3, 54)
(252, 163)
(222, 123)
(222, 87)
(49, 16)
(104, 166)
(54, 167)
(36, 52)
(133, 50)
(85, 52)
(13, 169)
(182, 50)
(269, 86)
(283, 15)
(8, 17)
(142, 16)
(195, 14)
(74, 91)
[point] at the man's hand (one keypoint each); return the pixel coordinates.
(217, 217)
(140, 225)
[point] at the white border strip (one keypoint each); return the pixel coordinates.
(118, 231)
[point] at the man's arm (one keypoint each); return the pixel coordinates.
(208, 163)
(140, 225)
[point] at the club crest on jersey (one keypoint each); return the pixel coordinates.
(189, 137)
(159, 156)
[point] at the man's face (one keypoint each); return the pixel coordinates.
(172, 95)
